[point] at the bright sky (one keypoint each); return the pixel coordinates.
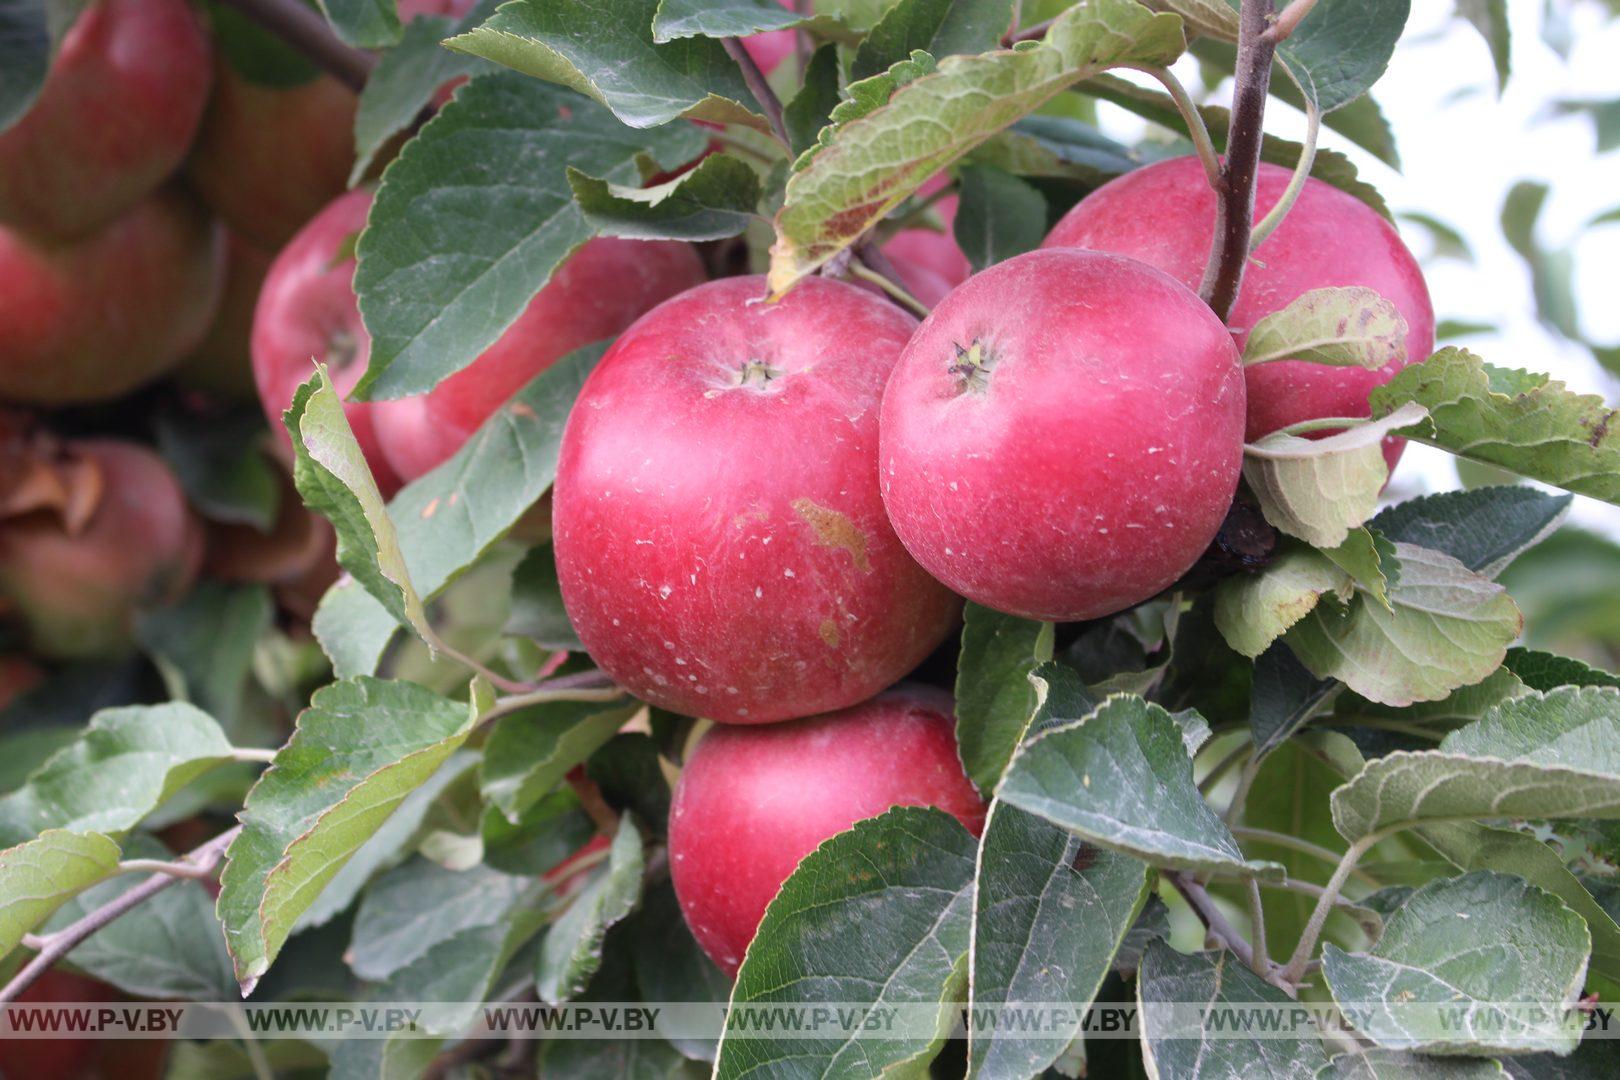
(1462, 148)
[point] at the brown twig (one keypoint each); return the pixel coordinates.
(1028, 33)
(1287, 20)
(54, 946)
(1211, 916)
(1234, 193)
(591, 801)
(306, 30)
(759, 87)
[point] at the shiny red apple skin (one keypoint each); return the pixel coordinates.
(78, 593)
(1092, 463)
(602, 288)
(1164, 215)
(113, 120)
(307, 312)
(753, 801)
(92, 319)
(720, 540)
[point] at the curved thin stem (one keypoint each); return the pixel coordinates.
(592, 685)
(859, 269)
(164, 866)
(253, 754)
(1197, 130)
(1257, 924)
(1287, 20)
(1295, 970)
(1304, 847)
(1296, 183)
(54, 946)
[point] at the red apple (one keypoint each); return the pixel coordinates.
(222, 363)
(307, 312)
(114, 118)
(96, 317)
(600, 290)
(1164, 215)
(752, 802)
(268, 158)
(79, 589)
(720, 540)
(1063, 435)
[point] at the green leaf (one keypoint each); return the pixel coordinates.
(1458, 961)
(1445, 627)
(994, 695)
(1168, 977)
(205, 644)
(1449, 243)
(572, 949)
(1468, 846)
(1056, 146)
(811, 108)
(30, 31)
(359, 749)
(870, 163)
(1122, 778)
(476, 214)
(120, 769)
(1342, 48)
(613, 57)
(1285, 695)
(1339, 327)
(1370, 560)
(449, 518)
(938, 27)
(1554, 755)
(1380, 1064)
(418, 904)
(1490, 18)
(332, 476)
(1462, 706)
(878, 914)
(222, 466)
(1544, 671)
(1049, 917)
(713, 201)
(1485, 528)
(1320, 489)
(1252, 611)
(368, 24)
(405, 81)
(41, 875)
(1525, 423)
(537, 611)
(169, 946)
(728, 18)
(530, 752)
(999, 216)
(387, 846)
(670, 965)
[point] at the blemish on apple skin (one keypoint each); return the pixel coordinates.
(834, 530)
(829, 633)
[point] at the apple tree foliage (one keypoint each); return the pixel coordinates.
(1330, 775)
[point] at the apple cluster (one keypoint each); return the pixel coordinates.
(767, 513)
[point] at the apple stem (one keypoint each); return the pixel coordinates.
(1288, 20)
(870, 265)
(307, 30)
(592, 802)
(1197, 130)
(759, 87)
(199, 862)
(1234, 194)
(1296, 183)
